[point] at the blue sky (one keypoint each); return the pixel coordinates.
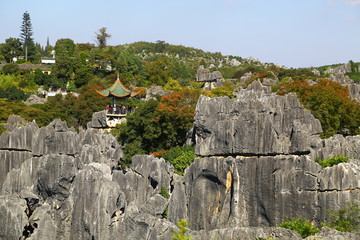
(294, 33)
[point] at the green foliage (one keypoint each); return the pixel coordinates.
(101, 37)
(7, 81)
(10, 69)
(345, 220)
(332, 161)
(164, 192)
(13, 94)
(159, 124)
(226, 90)
(180, 158)
(64, 67)
(2, 129)
(301, 226)
(330, 103)
(354, 74)
(181, 234)
(12, 48)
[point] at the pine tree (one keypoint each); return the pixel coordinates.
(26, 33)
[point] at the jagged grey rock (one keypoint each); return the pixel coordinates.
(204, 75)
(262, 191)
(336, 145)
(153, 91)
(258, 169)
(255, 123)
(98, 120)
(12, 212)
(354, 90)
(331, 234)
(34, 99)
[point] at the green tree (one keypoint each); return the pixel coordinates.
(26, 35)
(301, 226)
(329, 102)
(129, 66)
(83, 71)
(180, 158)
(63, 69)
(345, 220)
(181, 234)
(329, 162)
(160, 124)
(11, 49)
(102, 36)
(158, 71)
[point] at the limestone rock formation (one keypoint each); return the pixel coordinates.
(255, 168)
(34, 99)
(256, 123)
(204, 75)
(98, 120)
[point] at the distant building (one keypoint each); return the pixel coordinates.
(48, 60)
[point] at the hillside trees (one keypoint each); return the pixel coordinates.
(159, 124)
(129, 66)
(330, 103)
(64, 66)
(12, 48)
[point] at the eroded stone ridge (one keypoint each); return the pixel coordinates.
(255, 123)
(56, 183)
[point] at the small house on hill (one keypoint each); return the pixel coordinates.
(48, 60)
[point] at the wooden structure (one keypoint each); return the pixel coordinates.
(119, 94)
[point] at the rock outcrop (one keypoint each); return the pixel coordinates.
(204, 75)
(256, 123)
(255, 168)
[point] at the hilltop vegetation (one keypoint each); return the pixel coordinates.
(82, 68)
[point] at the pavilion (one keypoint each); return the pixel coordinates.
(119, 93)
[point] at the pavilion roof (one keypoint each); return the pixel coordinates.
(117, 90)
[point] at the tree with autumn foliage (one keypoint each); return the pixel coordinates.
(159, 124)
(330, 103)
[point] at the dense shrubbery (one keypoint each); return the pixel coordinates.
(13, 94)
(181, 234)
(159, 124)
(330, 103)
(76, 111)
(301, 226)
(180, 158)
(345, 220)
(329, 162)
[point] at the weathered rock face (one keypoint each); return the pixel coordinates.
(204, 75)
(256, 168)
(256, 123)
(354, 90)
(34, 99)
(98, 120)
(261, 191)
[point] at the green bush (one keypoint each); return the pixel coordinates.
(164, 192)
(181, 235)
(180, 158)
(301, 226)
(345, 220)
(329, 162)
